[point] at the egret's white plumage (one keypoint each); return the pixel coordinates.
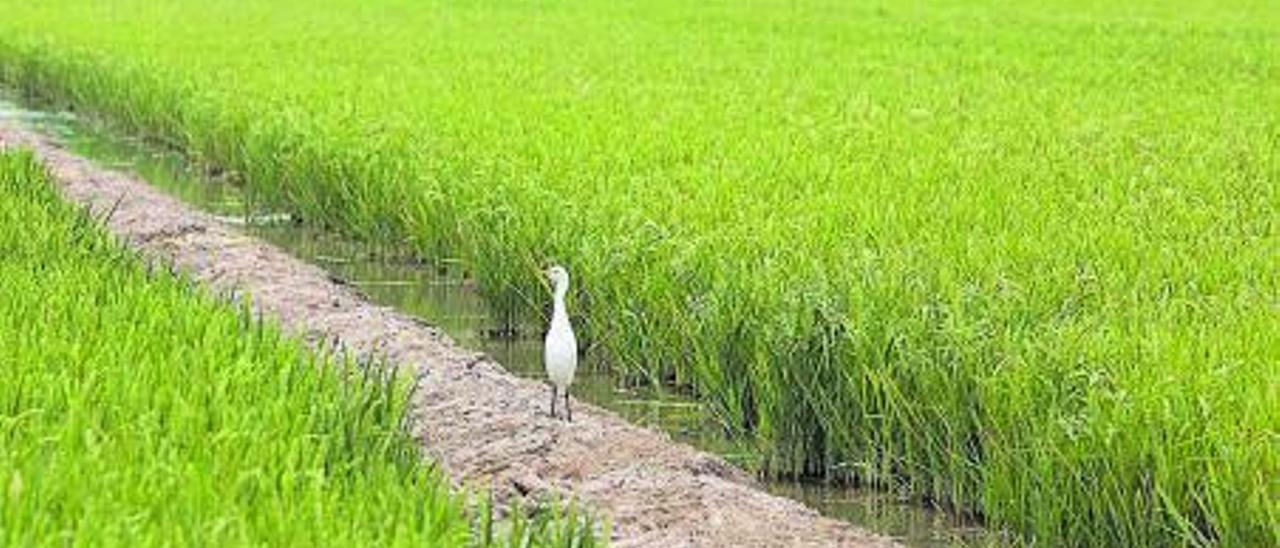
(561, 352)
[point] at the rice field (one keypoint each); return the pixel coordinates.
(1017, 259)
(137, 410)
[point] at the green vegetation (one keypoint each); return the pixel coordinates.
(1018, 259)
(137, 411)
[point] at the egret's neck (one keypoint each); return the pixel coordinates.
(558, 311)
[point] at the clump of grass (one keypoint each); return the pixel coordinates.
(1015, 260)
(550, 521)
(137, 410)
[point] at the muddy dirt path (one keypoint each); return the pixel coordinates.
(484, 425)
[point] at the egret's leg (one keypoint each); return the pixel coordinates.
(553, 401)
(567, 410)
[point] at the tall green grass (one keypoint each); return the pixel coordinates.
(1018, 259)
(135, 410)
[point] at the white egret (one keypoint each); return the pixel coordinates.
(561, 352)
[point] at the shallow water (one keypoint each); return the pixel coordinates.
(442, 297)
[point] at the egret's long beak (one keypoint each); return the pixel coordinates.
(544, 277)
(542, 273)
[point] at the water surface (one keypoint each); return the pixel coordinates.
(439, 294)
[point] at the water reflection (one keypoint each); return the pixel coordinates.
(443, 298)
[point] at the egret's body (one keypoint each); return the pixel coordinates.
(560, 354)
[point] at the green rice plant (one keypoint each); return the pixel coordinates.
(553, 522)
(1019, 260)
(137, 410)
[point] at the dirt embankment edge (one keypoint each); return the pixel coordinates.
(485, 426)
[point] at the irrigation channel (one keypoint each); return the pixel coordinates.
(440, 295)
